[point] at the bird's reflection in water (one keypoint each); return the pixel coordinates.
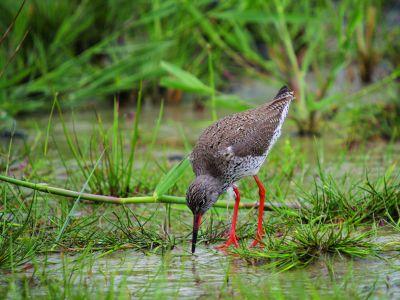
(197, 279)
(203, 260)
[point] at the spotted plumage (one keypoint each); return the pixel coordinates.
(237, 145)
(234, 147)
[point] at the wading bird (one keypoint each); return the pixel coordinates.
(232, 148)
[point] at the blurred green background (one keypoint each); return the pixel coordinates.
(340, 57)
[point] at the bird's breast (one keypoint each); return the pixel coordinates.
(240, 167)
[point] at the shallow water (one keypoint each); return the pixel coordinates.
(209, 274)
(181, 275)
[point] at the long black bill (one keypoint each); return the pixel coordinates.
(196, 225)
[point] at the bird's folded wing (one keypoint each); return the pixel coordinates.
(254, 141)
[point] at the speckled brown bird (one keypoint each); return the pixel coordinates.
(232, 148)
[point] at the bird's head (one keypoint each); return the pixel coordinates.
(202, 193)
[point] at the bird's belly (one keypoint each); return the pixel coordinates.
(245, 166)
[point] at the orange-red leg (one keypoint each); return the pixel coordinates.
(260, 230)
(232, 240)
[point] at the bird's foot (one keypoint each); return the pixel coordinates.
(232, 240)
(257, 240)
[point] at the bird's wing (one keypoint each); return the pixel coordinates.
(251, 132)
(256, 138)
(255, 141)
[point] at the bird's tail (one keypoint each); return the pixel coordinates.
(284, 97)
(284, 92)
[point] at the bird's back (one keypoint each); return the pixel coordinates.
(241, 138)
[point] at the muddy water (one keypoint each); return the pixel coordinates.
(182, 275)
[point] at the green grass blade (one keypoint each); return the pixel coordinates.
(154, 138)
(183, 80)
(46, 141)
(70, 143)
(66, 222)
(134, 138)
(171, 178)
(114, 149)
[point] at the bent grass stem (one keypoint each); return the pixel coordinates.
(42, 187)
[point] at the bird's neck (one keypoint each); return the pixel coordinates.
(212, 182)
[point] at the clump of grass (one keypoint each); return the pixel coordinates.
(20, 235)
(82, 232)
(303, 244)
(353, 202)
(384, 199)
(140, 232)
(114, 175)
